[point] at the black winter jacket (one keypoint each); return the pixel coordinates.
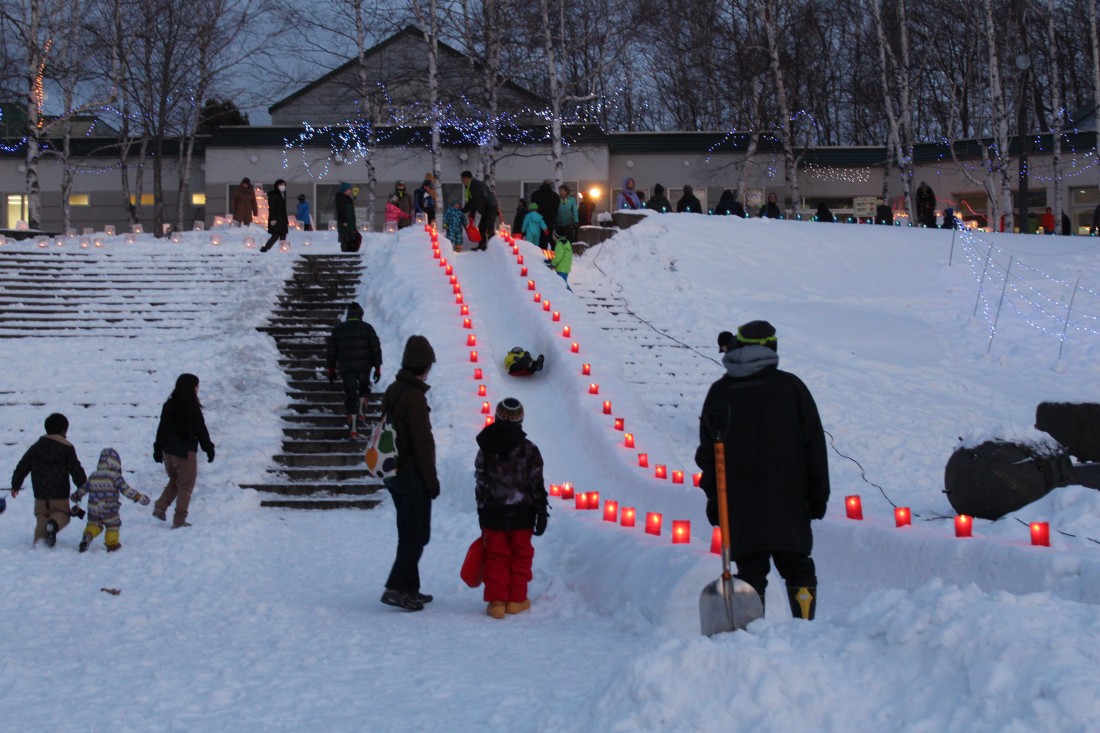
(481, 200)
(510, 490)
(182, 430)
(548, 202)
(353, 346)
(777, 471)
(689, 202)
(51, 462)
(277, 221)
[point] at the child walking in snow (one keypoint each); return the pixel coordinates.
(51, 463)
(562, 261)
(103, 488)
(533, 224)
(511, 507)
(454, 221)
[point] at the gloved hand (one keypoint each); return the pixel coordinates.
(816, 509)
(76, 511)
(15, 492)
(331, 375)
(210, 455)
(434, 492)
(158, 455)
(540, 522)
(377, 375)
(144, 500)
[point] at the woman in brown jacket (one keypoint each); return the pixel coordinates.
(416, 483)
(242, 204)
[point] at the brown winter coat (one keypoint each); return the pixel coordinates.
(407, 406)
(242, 204)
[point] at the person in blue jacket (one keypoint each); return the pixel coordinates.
(534, 226)
(302, 213)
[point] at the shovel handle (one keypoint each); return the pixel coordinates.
(723, 508)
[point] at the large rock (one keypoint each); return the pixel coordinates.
(626, 219)
(997, 477)
(1074, 425)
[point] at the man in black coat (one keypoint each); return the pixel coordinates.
(354, 349)
(478, 198)
(689, 203)
(777, 470)
(549, 201)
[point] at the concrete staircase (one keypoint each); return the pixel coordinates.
(52, 293)
(318, 468)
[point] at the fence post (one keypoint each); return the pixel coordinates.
(1065, 326)
(1000, 302)
(981, 283)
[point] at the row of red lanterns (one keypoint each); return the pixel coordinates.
(964, 523)
(626, 516)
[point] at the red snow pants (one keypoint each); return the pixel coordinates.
(508, 556)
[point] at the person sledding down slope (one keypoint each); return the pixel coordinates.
(519, 363)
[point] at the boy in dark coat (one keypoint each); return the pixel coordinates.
(51, 463)
(511, 507)
(776, 466)
(354, 348)
(660, 202)
(480, 200)
(416, 484)
(103, 488)
(689, 203)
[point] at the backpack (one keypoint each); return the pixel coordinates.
(381, 453)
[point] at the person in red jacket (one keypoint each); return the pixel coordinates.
(512, 506)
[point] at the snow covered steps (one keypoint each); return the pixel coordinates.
(319, 467)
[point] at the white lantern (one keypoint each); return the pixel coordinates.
(42, 241)
(332, 226)
(250, 242)
(219, 221)
(421, 218)
(391, 226)
(88, 230)
(98, 241)
(137, 229)
(3, 240)
(70, 233)
(177, 237)
(84, 242)
(130, 237)
(306, 241)
(200, 225)
(109, 230)
(284, 247)
(215, 239)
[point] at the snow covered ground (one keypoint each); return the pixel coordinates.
(258, 619)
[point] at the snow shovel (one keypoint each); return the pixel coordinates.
(728, 603)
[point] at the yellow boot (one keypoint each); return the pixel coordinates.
(496, 609)
(518, 606)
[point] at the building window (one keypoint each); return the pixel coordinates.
(80, 199)
(15, 209)
(146, 199)
(198, 199)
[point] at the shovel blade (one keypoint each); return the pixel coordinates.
(728, 604)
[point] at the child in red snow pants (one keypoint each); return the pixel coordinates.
(508, 556)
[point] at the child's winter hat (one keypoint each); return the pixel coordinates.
(301, 197)
(725, 339)
(532, 206)
(418, 356)
(57, 424)
(510, 410)
(757, 332)
(345, 187)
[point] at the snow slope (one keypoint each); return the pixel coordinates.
(259, 619)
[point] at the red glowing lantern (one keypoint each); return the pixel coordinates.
(575, 347)
(555, 489)
(902, 516)
(696, 478)
(716, 541)
(677, 478)
(486, 408)
(643, 460)
(610, 511)
(627, 516)
(593, 500)
(443, 262)
(628, 440)
(593, 388)
(607, 407)
(530, 284)
(523, 271)
(453, 279)
(467, 323)
(853, 506)
(464, 310)
(456, 288)
(435, 253)
(581, 500)
(546, 305)
(964, 525)
(488, 420)
(458, 298)
(473, 357)
(471, 340)
(566, 331)
(538, 297)
(477, 373)
(1040, 534)
(481, 391)
(519, 257)
(567, 490)
(661, 471)
(515, 249)
(555, 316)
(450, 270)
(586, 369)
(620, 423)
(681, 531)
(653, 523)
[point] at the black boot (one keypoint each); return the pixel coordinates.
(803, 601)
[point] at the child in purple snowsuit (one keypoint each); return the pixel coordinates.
(103, 488)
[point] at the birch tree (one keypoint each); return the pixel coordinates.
(895, 67)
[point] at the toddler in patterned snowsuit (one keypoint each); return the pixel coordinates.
(103, 488)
